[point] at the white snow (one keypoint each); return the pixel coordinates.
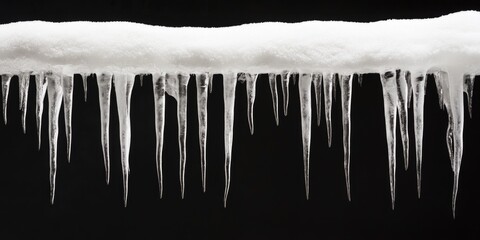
(448, 42)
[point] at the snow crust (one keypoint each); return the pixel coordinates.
(450, 42)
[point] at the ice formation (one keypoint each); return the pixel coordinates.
(322, 55)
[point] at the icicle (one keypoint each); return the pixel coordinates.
(272, 78)
(55, 94)
(229, 84)
(85, 84)
(402, 93)
(159, 102)
(304, 88)
(390, 101)
(360, 79)
(251, 89)
(123, 92)
(203, 81)
(177, 86)
(346, 91)
(5, 87)
(23, 84)
(439, 90)
(285, 90)
(327, 95)
(104, 82)
(418, 80)
(317, 85)
(468, 88)
(67, 85)
(441, 79)
(41, 90)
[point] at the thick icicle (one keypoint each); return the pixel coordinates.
(41, 90)
(251, 85)
(455, 95)
(177, 86)
(285, 90)
(229, 84)
(442, 81)
(85, 84)
(468, 88)
(305, 91)
(327, 95)
(403, 94)
(418, 80)
(55, 94)
(346, 91)
(23, 85)
(317, 85)
(5, 89)
(123, 92)
(104, 82)
(67, 85)
(203, 85)
(272, 78)
(159, 102)
(390, 103)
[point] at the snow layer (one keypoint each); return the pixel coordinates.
(450, 42)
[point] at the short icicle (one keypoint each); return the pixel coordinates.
(41, 90)
(327, 95)
(272, 79)
(418, 80)
(229, 84)
(104, 82)
(390, 103)
(177, 87)
(55, 94)
(5, 89)
(203, 85)
(251, 85)
(317, 85)
(403, 94)
(346, 91)
(304, 88)
(123, 92)
(468, 88)
(285, 90)
(23, 85)
(159, 103)
(85, 84)
(67, 85)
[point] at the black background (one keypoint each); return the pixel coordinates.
(267, 197)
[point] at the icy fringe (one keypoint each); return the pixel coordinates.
(400, 88)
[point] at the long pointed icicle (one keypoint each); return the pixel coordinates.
(285, 90)
(85, 85)
(440, 94)
(123, 92)
(468, 88)
(229, 84)
(272, 79)
(55, 94)
(346, 91)
(67, 85)
(159, 83)
(41, 90)
(402, 91)
(442, 81)
(418, 84)
(390, 103)
(317, 85)
(327, 95)
(305, 91)
(104, 82)
(23, 85)
(251, 85)
(203, 81)
(177, 87)
(455, 95)
(5, 89)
